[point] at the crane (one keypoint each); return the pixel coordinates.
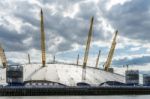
(43, 40)
(87, 50)
(97, 60)
(3, 57)
(111, 52)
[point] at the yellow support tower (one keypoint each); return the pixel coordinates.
(111, 52)
(43, 40)
(54, 59)
(29, 59)
(3, 57)
(97, 60)
(87, 50)
(78, 60)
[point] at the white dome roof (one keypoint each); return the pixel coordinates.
(68, 75)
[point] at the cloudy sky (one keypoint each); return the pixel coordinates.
(66, 28)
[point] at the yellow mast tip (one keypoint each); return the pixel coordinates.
(41, 11)
(116, 31)
(92, 17)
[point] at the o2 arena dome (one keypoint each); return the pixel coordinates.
(66, 74)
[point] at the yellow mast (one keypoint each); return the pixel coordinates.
(3, 57)
(54, 59)
(87, 50)
(97, 60)
(29, 59)
(111, 52)
(78, 60)
(43, 40)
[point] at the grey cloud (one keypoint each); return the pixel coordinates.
(65, 45)
(131, 19)
(73, 30)
(134, 61)
(63, 3)
(130, 22)
(24, 11)
(12, 40)
(87, 10)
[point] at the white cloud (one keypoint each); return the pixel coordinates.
(112, 3)
(135, 49)
(66, 28)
